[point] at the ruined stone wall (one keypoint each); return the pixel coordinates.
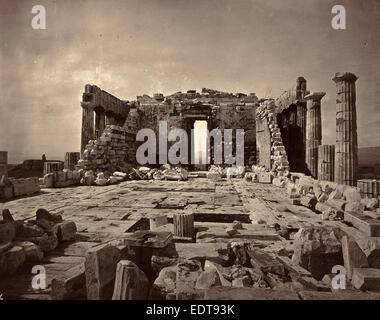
(271, 151)
(100, 108)
(220, 110)
(108, 153)
(241, 116)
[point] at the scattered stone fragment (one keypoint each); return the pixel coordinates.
(187, 275)
(231, 231)
(69, 285)
(7, 231)
(237, 253)
(30, 231)
(245, 281)
(371, 249)
(318, 249)
(100, 271)
(353, 256)
(164, 286)
(66, 230)
(369, 226)
(237, 225)
(6, 246)
(366, 279)
(7, 216)
(159, 262)
(130, 283)
(356, 207)
(48, 242)
(207, 279)
(11, 260)
(33, 252)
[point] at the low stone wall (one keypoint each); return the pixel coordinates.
(11, 188)
(60, 179)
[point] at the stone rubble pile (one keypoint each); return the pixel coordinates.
(173, 277)
(216, 173)
(27, 241)
(353, 242)
(166, 172)
(108, 153)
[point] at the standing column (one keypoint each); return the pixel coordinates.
(71, 159)
(313, 131)
(346, 147)
(326, 154)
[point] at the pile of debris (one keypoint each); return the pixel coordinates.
(108, 153)
(216, 173)
(166, 172)
(27, 241)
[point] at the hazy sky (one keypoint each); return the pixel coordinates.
(131, 47)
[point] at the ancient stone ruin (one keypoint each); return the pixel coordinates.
(293, 223)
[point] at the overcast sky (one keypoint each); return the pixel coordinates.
(131, 47)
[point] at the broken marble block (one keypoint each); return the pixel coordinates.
(371, 248)
(66, 230)
(353, 256)
(318, 249)
(11, 260)
(130, 283)
(164, 286)
(366, 279)
(207, 279)
(7, 231)
(188, 272)
(33, 252)
(265, 177)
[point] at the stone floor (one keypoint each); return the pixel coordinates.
(107, 213)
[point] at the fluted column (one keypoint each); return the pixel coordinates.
(313, 131)
(326, 155)
(346, 147)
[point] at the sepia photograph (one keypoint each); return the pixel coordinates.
(189, 150)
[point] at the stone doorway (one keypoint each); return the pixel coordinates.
(292, 138)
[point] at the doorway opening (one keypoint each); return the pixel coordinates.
(200, 144)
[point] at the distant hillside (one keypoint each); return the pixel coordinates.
(369, 156)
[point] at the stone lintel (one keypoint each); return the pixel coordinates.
(315, 96)
(345, 76)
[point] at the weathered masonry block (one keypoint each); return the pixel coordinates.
(346, 148)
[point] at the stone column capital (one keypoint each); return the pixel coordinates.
(315, 96)
(345, 76)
